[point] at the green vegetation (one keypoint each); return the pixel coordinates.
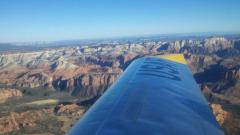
(43, 102)
(33, 99)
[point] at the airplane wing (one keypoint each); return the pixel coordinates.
(154, 96)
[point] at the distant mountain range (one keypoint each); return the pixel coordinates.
(28, 46)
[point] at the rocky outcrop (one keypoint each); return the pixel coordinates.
(103, 61)
(16, 121)
(82, 81)
(32, 79)
(69, 110)
(207, 46)
(61, 69)
(219, 74)
(219, 113)
(218, 78)
(6, 93)
(231, 124)
(228, 118)
(91, 85)
(198, 63)
(126, 59)
(217, 43)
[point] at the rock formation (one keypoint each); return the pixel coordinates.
(60, 69)
(16, 121)
(7, 93)
(69, 110)
(219, 113)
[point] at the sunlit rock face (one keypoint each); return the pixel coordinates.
(217, 43)
(6, 93)
(219, 113)
(62, 69)
(69, 110)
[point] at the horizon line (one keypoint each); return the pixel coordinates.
(130, 36)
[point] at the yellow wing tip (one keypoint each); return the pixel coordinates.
(175, 58)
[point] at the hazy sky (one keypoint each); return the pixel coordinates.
(43, 20)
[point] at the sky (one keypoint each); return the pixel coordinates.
(49, 20)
